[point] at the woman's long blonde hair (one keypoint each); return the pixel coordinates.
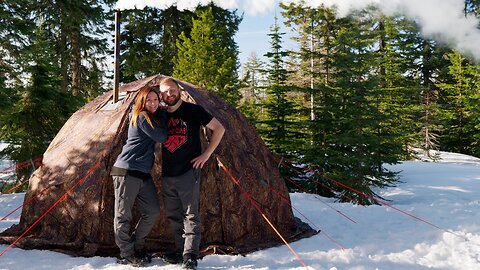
(140, 102)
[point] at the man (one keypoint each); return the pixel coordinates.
(182, 163)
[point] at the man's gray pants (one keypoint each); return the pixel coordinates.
(181, 198)
(129, 189)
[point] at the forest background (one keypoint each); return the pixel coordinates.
(359, 90)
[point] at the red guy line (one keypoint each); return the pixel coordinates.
(331, 207)
(20, 165)
(318, 228)
(323, 185)
(26, 202)
(260, 211)
(375, 199)
(63, 198)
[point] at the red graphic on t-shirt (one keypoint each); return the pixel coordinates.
(177, 134)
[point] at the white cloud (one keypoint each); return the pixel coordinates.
(442, 20)
(255, 7)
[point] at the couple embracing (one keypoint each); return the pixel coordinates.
(178, 129)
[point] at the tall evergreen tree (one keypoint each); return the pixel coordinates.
(173, 23)
(313, 27)
(279, 128)
(202, 60)
(76, 30)
(398, 92)
(148, 40)
(15, 33)
(460, 107)
(229, 22)
(139, 47)
(16, 27)
(432, 68)
(40, 109)
(252, 90)
(354, 149)
(337, 68)
(316, 29)
(5, 91)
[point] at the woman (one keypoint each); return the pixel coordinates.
(132, 179)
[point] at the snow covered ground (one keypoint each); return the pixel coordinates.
(439, 229)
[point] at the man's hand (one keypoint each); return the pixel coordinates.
(199, 161)
(217, 133)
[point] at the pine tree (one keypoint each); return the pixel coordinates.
(15, 33)
(278, 128)
(397, 94)
(253, 94)
(40, 108)
(140, 51)
(335, 69)
(350, 139)
(353, 154)
(76, 30)
(432, 67)
(313, 28)
(460, 102)
(15, 27)
(312, 69)
(204, 59)
(4, 90)
(173, 22)
(148, 40)
(229, 22)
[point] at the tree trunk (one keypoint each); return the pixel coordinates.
(76, 61)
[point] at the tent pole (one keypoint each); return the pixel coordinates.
(116, 70)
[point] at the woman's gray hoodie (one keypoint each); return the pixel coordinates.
(138, 153)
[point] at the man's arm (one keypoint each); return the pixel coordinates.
(217, 133)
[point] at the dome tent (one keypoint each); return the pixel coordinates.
(82, 154)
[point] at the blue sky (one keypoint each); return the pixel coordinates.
(252, 35)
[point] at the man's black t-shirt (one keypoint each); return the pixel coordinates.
(183, 142)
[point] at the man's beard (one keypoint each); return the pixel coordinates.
(172, 102)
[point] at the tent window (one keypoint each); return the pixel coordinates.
(112, 106)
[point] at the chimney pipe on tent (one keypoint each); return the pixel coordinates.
(116, 71)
